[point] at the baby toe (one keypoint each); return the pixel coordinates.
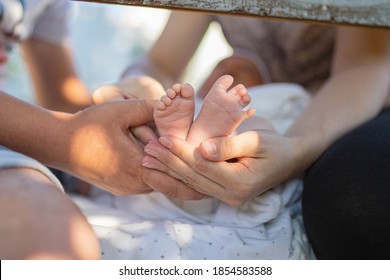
(160, 106)
(187, 91)
(166, 100)
(171, 93)
(177, 88)
(245, 100)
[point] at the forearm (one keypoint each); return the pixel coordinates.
(350, 98)
(168, 58)
(145, 66)
(56, 83)
(33, 131)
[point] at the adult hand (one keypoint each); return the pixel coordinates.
(262, 159)
(130, 87)
(145, 87)
(103, 151)
(243, 70)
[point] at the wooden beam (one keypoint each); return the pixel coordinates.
(374, 13)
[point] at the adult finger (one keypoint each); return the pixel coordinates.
(152, 163)
(247, 144)
(170, 186)
(231, 182)
(144, 133)
(205, 176)
(107, 93)
(166, 180)
(133, 112)
(157, 156)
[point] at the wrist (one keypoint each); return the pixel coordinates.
(56, 150)
(306, 151)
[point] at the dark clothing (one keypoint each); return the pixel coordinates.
(346, 196)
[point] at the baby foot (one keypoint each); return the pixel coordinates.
(221, 112)
(174, 113)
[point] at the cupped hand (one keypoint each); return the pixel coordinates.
(233, 169)
(143, 179)
(131, 87)
(100, 144)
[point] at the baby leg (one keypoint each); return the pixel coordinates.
(221, 112)
(174, 113)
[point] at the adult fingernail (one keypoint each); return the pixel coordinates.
(150, 165)
(210, 148)
(151, 153)
(165, 142)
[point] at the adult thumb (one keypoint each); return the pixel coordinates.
(224, 148)
(134, 112)
(107, 94)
